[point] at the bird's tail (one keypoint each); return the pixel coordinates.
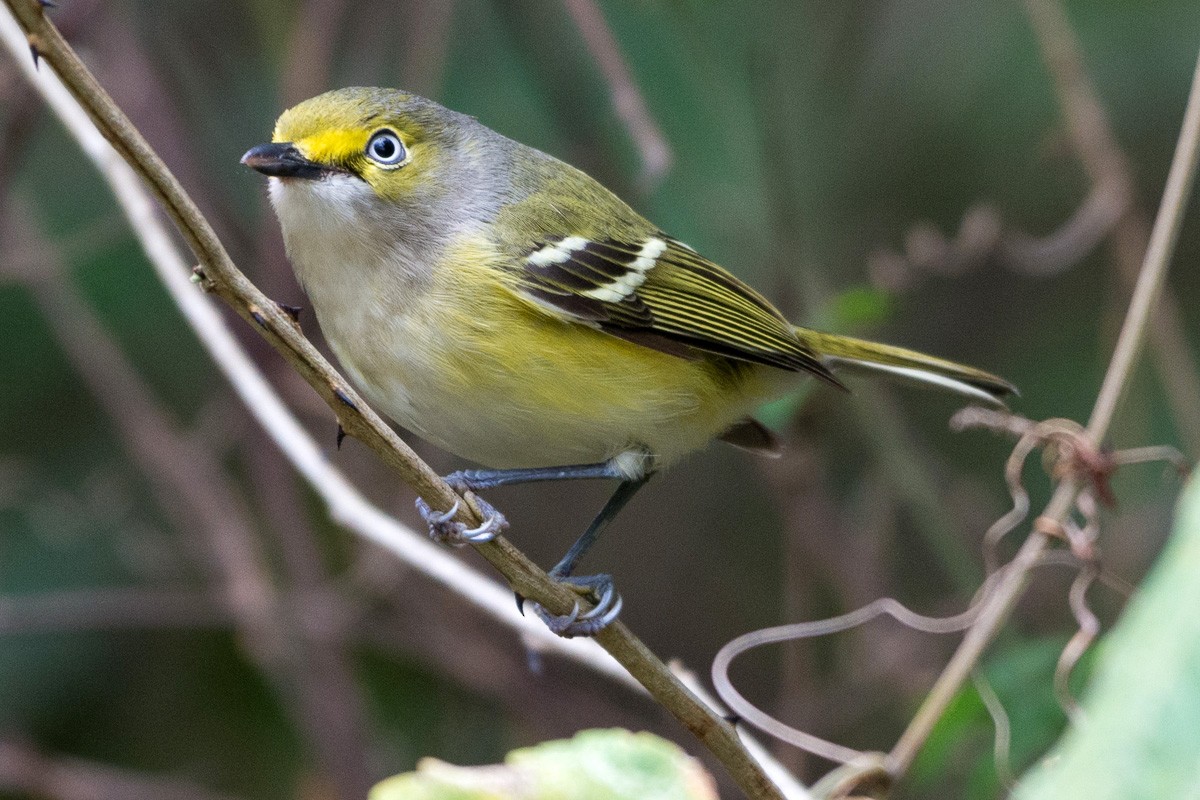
(843, 352)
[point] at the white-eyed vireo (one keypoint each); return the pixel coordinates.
(510, 309)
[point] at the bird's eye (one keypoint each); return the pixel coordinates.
(386, 148)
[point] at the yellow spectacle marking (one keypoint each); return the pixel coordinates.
(333, 146)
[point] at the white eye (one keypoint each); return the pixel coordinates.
(386, 148)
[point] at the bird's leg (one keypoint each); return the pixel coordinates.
(476, 479)
(600, 587)
(445, 530)
(624, 493)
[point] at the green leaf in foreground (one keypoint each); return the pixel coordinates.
(1140, 736)
(593, 765)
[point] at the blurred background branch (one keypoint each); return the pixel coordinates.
(627, 99)
(1147, 290)
(801, 141)
(25, 770)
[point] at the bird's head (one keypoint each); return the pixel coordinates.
(395, 143)
(378, 170)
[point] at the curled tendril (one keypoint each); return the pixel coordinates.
(1002, 743)
(1067, 452)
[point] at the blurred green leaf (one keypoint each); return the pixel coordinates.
(1140, 735)
(777, 414)
(593, 765)
(859, 307)
(1021, 674)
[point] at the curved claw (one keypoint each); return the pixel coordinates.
(487, 529)
(604, 603)
(589, 623)
(445, 530)
(574, 624)
(604, 621)
(561, 624)
(436, 517)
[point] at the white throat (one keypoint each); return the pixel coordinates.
(325, 228)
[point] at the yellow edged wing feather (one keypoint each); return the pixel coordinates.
(661, 293)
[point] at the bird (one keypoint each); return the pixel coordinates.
(511, 310)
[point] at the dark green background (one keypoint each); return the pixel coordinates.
(807, 138)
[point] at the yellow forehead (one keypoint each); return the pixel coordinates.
(329, 146)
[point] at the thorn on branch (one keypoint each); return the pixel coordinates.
(341, 435)
(256, 315)
(293, 315)
(340, 394)
(47, 4)
(33, 50)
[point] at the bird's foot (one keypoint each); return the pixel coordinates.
(598, 589)
(444, 529)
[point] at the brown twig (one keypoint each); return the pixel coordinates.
(1146, 293)
(984, 238)
(219, 275)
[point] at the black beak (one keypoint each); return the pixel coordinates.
(282, 160)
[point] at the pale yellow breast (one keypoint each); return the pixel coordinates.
(483, 373)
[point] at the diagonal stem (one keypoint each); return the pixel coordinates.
(222, 277)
